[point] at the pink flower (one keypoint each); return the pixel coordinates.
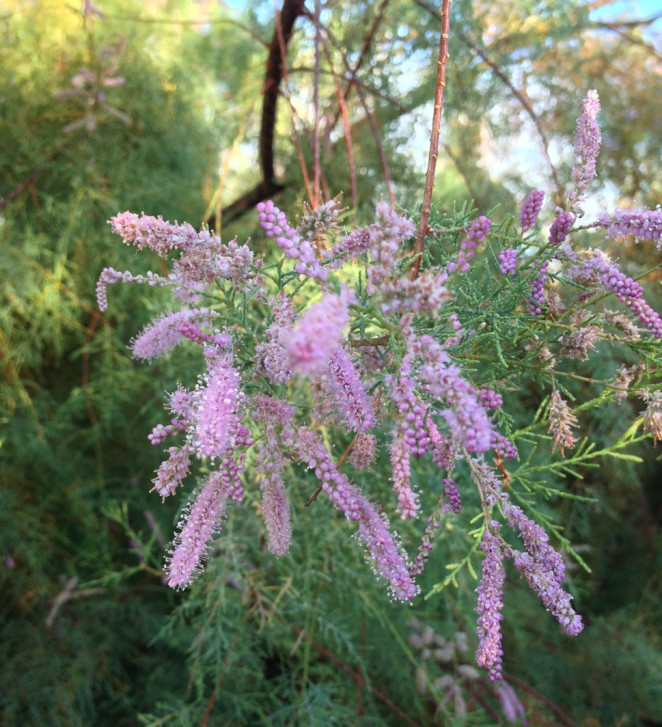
(319, 332)
(531, 208)
(489, 606)
(642, 224)
(153, 232)
(587, 147)
(201, 521)
(164, 332)
(216, 402)
(172, 471)
(400, 475)
(348, 392)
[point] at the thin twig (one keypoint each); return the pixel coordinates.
(526, 105)
(367, 42)
(316, 109)
(541, 698)
(370, 117)
(32, 176)
(274, 74)
(434, 138)
(67, 594)
(194, 22)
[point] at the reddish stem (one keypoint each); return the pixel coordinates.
(434, 138)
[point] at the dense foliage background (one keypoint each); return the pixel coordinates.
(155, 106)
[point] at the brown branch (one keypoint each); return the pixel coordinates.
(434, 138)
(637, 23)
(290, 11)
(526, 105)
(353, 81)
(629, 38)
(316, 108)
(268, 186)
(370, 117)
(67, 594)
(558, 712)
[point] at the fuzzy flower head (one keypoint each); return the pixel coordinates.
(490, 605)
(216, 403)
(349, 393)
(642, 224)
(152, 232)
(164, 332)
(587, 146)
(318, 333)
(202, 519)
(385, 239)
(507, 261)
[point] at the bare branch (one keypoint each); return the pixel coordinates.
(268, 186)
(434, 138)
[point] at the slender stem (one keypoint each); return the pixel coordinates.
(434, 138)
(316, 105)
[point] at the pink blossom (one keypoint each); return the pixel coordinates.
(642, 224)
(490, 605)
(164, 332)
(172, 471)
(400, 475)
(110, 276)
(531, 208)
(349, 393)
(153, 232)
(275, 224)
(364, 451)
(587, 147)
(217, 400)
(201, 521)
(318, 333)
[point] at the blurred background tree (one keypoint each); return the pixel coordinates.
(172, 109)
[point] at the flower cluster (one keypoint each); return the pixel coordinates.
(475, 236)
(642, 224)
(344, 350)
(587, 146)
(531, 208)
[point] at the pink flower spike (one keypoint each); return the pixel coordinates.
(164, 332)
(319, 332)
(348, 392)
(153, 232)
(531, 208)
(276, 511)
(110, 276)
(201, 521)
(490, 605)
(385, 551)
(642, 224)
(170, 473)
(587, 147)
(400, 467)
(217, 399)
